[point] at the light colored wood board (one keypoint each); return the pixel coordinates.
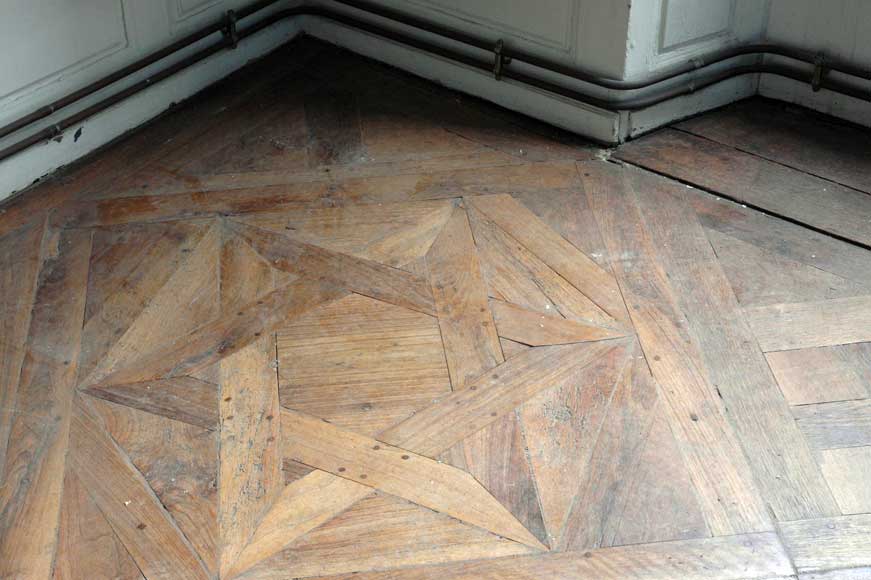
(742, 557)
(516, 275)
(180, 464)
(398, 471)
(810, 324)
(391, 233)
(848, 472)
(535, 329)
(554, 250)
(606, 484)
(835, 425)
(129, 266)
(788, 240)
(216, 340)
(187, 300)
(783, 466)
(123, 496)
(749, 179)
(38, 434)
(245, 275)
(383, 532)
(87, 546)
(469, 334)
(496, 457)
(727, 495)
(760, 277)
(251, 477)
(458, 415)
(303, 505)
(662, 505)
(561, 426)
(184, 399)
(827, 543)
(362, 364)
(862, 573)
(361, 276)
(511, 348)
(21, 255)
(823, 374)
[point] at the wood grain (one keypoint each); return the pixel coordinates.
(834, 425)
(810, 324)
(531, 328)
(749, 179)
(848, 472)
(361, 276)
(399, 472)
(826, 543)
(35, 456)
(824, 374)
(133, 510)
(554, 250)
(743, 557)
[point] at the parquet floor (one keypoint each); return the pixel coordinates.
(328, 320)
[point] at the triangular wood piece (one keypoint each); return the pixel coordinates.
(183, 399)
(511, 348)
(383, 532)
(245, 274)
(87, 546)
(554, 250)
(362, 364)
(398, 471)
(390, 233)
(354, 274)
(187, 300)
(535, 329)
(180, 463)
(124, 497)
(516, 275)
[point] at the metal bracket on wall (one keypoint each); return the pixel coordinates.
(819, 71)
(231, 33)
(500, 59)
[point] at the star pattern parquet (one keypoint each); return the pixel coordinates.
(356, 330)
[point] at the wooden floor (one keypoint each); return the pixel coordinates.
(330, 320)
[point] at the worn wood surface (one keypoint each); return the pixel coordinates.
(333, 321)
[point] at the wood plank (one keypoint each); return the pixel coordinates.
(21, 255)
(826, 543)
(792, 136)
(749, 179)
(554, 250)
(361, 276)
(742, 557)
(781, 238)
(848, 472)
(361, 364)
(87, 546)
(188, 300)
(333, 124)
(180, 464)
(34, 464)
(129, 266)
(458, 415)
(183, 399)
(250, 453)
(399, 472)
(468, 331)
(824, 374)
(212, 342)
(761, 277)
(810, 324)
(513, 274)
(393, 234)
(384, 532)
(535, 329)
(834, 425)
(133, 510)
(710, 448)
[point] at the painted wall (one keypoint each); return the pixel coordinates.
(838, 28)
